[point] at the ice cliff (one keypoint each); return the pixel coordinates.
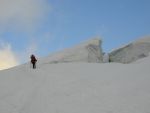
(131, 52)
(89, 51)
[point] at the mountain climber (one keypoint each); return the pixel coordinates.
(33, 61)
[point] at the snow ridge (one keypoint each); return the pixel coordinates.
(89, 51)
(131, 52)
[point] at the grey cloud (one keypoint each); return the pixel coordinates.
(22, 14)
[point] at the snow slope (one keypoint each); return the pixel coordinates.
(131, 52)
(76, 88)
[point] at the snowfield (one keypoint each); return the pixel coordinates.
(76, 88)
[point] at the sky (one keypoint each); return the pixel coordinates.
(43, 27)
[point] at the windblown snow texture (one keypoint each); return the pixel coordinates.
(131, 52)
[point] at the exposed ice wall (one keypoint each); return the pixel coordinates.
(131, 52)
(89, 51)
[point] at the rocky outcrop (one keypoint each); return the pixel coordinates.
(131, 52)
(89, 51)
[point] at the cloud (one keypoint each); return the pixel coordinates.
(21, 18)
(22, 14)
(7, 57)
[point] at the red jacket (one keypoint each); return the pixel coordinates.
(33, 59)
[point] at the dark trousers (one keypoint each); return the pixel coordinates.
(34, 65)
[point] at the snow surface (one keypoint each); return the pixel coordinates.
(76, 88)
